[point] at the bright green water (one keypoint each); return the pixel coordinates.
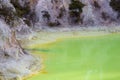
(96, 58)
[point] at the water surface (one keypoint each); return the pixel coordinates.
(93, 58)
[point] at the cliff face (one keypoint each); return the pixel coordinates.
(16, 16)
(95, 12)
(58, 12)
(21, 15)
(12, 10)
(11, 52)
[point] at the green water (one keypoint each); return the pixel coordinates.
(95, 58)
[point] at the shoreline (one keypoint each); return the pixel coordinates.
(38, 42)
(42, 37)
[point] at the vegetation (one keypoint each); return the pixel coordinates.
(61, 14)
(104, 16)
(7, 13)
(11, 16)
(46, 15)
(115, 4)
(23, 12)
(52, 24)
(75, 10)
(96, 5)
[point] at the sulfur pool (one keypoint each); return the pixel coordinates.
(89, 58)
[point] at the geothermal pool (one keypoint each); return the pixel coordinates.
(88, 58)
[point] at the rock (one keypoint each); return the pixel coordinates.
(13, 69)
(15, 62)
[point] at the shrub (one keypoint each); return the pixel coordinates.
(46, 15)
(21, 11)
(61, 14)
(104, 16)
(76, 5)
(52, 24)
(115, 4)
(75, 9)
